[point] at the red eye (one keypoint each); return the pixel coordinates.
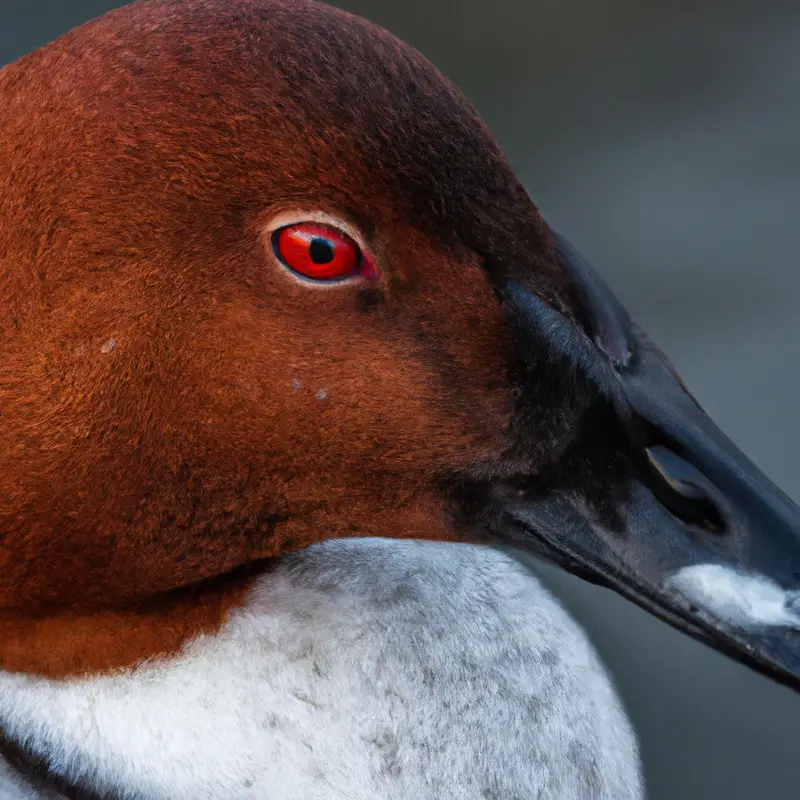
(317, 251)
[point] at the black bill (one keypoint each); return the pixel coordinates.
(648, 496)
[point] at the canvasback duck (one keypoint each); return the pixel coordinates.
(286, 349)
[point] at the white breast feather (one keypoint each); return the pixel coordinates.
(362, 669)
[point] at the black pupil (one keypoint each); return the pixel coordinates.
(320, 250)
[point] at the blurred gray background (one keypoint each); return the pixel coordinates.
(663, 137)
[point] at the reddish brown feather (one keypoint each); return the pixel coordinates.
(171, 407)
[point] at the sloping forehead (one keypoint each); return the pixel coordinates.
(307, 79)
(235, 101)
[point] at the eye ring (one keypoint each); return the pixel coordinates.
(319, 252)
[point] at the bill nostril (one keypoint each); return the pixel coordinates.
(678, 486)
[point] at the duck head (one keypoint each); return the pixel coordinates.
(267, 279)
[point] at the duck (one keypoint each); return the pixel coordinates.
(292, 368)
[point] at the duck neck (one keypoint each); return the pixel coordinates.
(74, 643)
